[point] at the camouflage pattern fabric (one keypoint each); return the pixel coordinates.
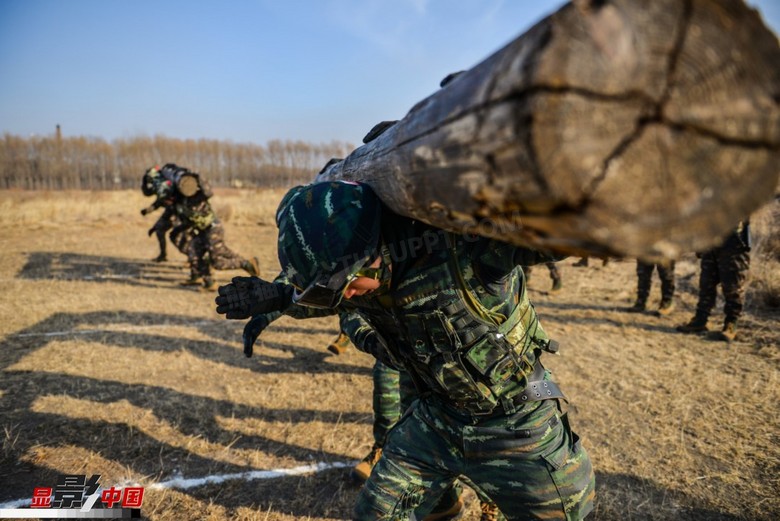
(207, 249)
(326, 227)
(181, 237)
(195, 211)
(530, 463)
(457, 319)
(202, 235)
(387, 400)
(644, 274)
(394, 392)
(727, 265)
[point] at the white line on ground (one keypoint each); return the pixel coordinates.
(184, 484)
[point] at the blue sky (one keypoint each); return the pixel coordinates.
(242, 70)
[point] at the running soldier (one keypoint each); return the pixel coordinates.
(644, 276)
(727, 265)
(453, 312)
(160, 183)
(201, 233)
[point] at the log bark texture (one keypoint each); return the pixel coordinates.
(619, 127)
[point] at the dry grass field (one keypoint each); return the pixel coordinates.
(108, 367)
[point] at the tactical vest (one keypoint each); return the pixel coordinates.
(200, 215)
(460, 351)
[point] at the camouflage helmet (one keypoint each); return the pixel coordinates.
(150, 181)
(327, 232)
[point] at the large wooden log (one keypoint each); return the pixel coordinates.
(621, 127)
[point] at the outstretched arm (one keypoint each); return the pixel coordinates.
(247, 297)
(264, 302)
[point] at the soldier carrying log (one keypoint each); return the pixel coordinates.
(625, 128)
(200, 234)
(455, 315)
(161, 183)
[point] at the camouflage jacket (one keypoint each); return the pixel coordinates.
(195, 212)
(455, 315)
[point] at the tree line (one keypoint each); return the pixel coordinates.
(65, 163)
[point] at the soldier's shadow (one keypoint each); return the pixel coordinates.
(102, 268)
(33, 420)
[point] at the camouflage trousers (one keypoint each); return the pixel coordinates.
(393, 393)
(729, 268)
(181, 236)
(530, 463)
(207, 249)
(644, 275)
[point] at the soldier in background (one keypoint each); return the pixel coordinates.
(200, 234)
(159, 182)
(584, 262)
(555, 276)
(644, 275)
(728, 266)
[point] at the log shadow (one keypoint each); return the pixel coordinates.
(141, 333)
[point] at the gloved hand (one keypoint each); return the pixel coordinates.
(246, 297)
(252, 330)
(151, 231)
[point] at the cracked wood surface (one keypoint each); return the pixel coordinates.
(634, 128)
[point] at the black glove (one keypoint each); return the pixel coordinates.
(246, 297)
(252, 330)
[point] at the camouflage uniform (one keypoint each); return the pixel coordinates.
(456, 317)
(394, 392)
(728, 266)
(160, 183)
(644, 275)
(207, 248)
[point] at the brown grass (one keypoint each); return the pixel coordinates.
(109, 367)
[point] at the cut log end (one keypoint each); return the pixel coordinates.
(644, 129)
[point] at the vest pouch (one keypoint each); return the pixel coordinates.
(441, 333)
(525, 332)
(492, 356)
(460, 387)
(417, 338)
(487, 352)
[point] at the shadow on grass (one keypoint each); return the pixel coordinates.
(624, 497)
(191, 417)
(100, 268)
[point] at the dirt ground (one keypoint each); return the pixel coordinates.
(108, 366)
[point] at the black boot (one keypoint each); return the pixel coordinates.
(698, 324)
(639, 306)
